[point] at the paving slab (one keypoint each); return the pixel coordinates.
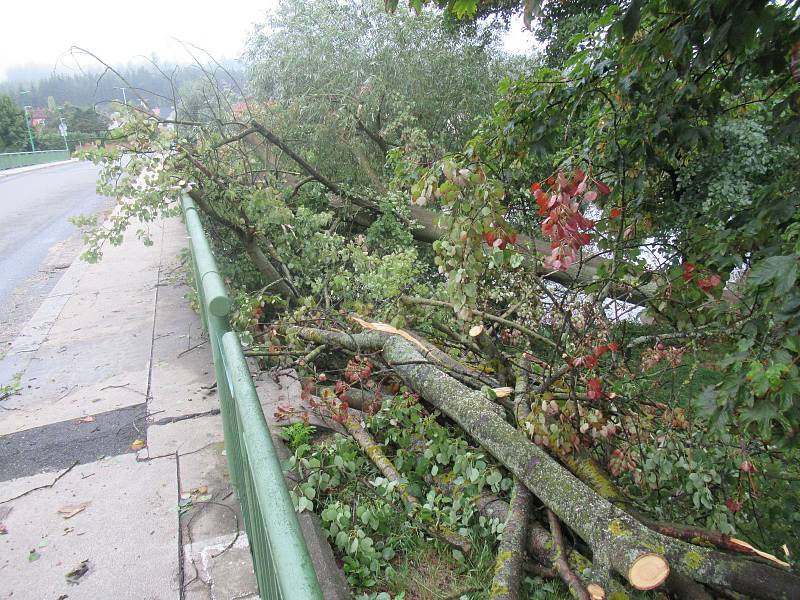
(220, 570)
(131, 552)
(214, 510)
(96, 354)
(183, 437)
(217, 563)
(183, 372)
(119, 342)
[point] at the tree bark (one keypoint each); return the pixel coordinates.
(272, 278)
(567, 575)
(511, 551)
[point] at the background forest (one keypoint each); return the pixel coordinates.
(583, 263)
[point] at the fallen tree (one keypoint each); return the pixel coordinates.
(618, 541)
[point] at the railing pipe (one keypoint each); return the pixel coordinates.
(293, 567)
(216, 298)
(282, 564)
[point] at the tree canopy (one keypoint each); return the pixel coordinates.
(13, 133)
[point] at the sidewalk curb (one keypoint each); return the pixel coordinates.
(18, 354)
(21, 170)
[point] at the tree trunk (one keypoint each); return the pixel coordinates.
(272, 279)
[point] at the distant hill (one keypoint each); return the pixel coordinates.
(98, 90)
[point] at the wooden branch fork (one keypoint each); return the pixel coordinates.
(619, 542)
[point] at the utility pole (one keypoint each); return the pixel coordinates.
(124, 97)
(28, 124)
(30, 132)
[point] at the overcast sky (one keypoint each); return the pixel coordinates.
(42, 32)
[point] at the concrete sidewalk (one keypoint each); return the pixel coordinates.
(115, 359)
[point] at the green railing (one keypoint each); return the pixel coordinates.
(280, 557)
(11, 160)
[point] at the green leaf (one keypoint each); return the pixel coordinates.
(464, 8)
(630, 23)
(782, 270)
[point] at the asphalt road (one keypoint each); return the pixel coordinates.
(36, 237)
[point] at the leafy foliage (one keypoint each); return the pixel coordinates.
(375, 536)
(13, 133)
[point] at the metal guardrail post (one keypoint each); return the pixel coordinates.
(280, 557)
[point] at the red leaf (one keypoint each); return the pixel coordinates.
(490, 237)
(688, 271)
(615, 213)
(747, 467)
(733, 505)
(595, 388)
(602, 188)
(535, 186)
(709, 283)
(543, 200)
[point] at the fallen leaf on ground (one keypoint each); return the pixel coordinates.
(33, 555)
(3, 529)
(68, 530)
(78, 572)
(137, 445)
(62, 597)
(184, 505)
(71, 510)
(88, 419)
(203, 489)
